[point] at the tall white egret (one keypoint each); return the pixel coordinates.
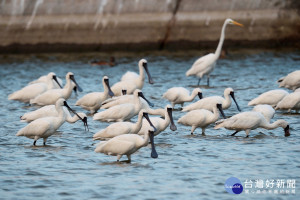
(205, 65)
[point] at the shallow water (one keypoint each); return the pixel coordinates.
(187, 167)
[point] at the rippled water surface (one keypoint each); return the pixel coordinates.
(188, 167)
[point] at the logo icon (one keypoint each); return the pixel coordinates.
(233, 186)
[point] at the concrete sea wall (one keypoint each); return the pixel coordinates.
(101, 25)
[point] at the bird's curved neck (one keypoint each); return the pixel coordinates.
(61, 112)
(191, 97)
(267, 125)
(71, 119)
(138, 124)
(222, 37)
(227, 102)
(67, 90)
(216, 113)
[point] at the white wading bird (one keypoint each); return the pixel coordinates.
(43, 79)
(127, 144)
(50, 111)
(209, 103)
(291, 81)
(47, 126)
(205, 65)
(201, 118)
(267, 111)
(271, 97)
(51, 96)
(159, 123)
(122, 112)
(130, 99)
(132, 81)
(290, 102)
(179, 95)
(121, 128)
(247, 121)
(33, 90)
(92, 101)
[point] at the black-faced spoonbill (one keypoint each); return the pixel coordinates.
(47, 126)
(33, 90)
(121, 128)
(50, 111)
(209, 103)
(271, 97)
(159, 123)
(247, 121)
(290, 102)
(265, 109)
(130, 99)
(205, 65)
(92, 101)
(43, 79)
(132, 81)
(51, 96)
(201, 118)
(291, 81)
(122, 112)
(179, 95)
(127, 144)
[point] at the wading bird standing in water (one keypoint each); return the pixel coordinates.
(205, 65)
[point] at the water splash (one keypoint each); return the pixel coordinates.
(36, 6)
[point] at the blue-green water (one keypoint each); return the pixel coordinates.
(188, 167)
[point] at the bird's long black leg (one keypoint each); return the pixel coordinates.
(233, 134)
(199, 81)
(207, 80)
(34, 143)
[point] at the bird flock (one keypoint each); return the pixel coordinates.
(124, 100)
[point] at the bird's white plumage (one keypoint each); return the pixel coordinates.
(130, 99)
(46, 126)
(271, 97)
(248, 121)
(180, 95)
(33, 90)
(120, 128)
(159, 123)
(123, 145)
(265, 109)
(209, 103)
(289, 102)
(92, 101)
(131, 81)
(43, 79)
(122, 112)
(291, 81)
(200, 118)
(205, 65)
(51, 96)
(50, 111)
